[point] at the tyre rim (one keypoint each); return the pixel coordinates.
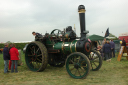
(76, 66)
(33, 57)
(94, 60)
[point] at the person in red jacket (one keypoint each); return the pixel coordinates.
(14, 57)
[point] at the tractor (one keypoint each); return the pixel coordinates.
(60, 48)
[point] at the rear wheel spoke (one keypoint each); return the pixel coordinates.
(72, 69)
(75, 72)
(94, 64)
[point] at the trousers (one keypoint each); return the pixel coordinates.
(6, 66)
(14, 62)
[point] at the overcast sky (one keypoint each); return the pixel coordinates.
(18, 18)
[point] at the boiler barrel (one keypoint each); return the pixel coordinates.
(66, 47)
(74, 46)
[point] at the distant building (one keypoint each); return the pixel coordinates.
(125, 36)
(23, 42)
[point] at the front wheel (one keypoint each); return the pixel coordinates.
(78, 65)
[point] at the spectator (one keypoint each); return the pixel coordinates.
(6, 57)
(10, 46)
(20, 60)
(10, 60)
(14, 57)
(103, 42)
(123, 42)
(107, 50)
(112, 44)
(99, 49)
(95, 44)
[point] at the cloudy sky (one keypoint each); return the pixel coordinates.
(18, 18)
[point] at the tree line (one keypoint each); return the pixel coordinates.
(18, 45)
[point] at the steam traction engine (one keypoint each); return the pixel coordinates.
(61, 48)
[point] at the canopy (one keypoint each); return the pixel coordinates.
(95, 37)
(111, 36)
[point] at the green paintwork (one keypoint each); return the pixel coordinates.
(66, 46)
(73, 46)
(49, 42)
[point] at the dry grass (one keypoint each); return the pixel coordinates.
(111, 73)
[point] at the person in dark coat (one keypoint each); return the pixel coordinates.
(112, 44)
(6, 57)
(107, 50)
(123, 42)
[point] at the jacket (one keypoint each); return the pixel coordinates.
(112, 44)
(14, 54)
(6, 55)
(38, 35)
(106, 48)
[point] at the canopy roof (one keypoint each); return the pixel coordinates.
(111, 36)
(95, 37)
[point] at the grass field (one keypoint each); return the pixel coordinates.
(111, 73)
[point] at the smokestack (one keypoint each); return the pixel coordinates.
(81, 10)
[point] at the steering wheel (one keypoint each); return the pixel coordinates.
(56, 32)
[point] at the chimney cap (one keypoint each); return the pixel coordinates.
(81, 7)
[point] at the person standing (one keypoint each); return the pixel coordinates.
(6, 57)
(99, 48)
(123, 42)
(14, 57)
(10, 60)
(103, 42)
(107, 50)
(112, 44)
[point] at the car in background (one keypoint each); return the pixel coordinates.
(1, 50)
(24, 49)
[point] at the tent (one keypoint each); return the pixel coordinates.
(111, 36)
(95, 37)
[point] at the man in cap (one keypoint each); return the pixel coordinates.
(37, 35)
(6, 57)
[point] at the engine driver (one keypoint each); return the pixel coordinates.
(37, 36)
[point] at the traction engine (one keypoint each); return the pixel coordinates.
(61, 48)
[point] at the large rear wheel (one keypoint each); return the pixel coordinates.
(36, 56)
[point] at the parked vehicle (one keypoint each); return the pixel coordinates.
(1, 50)
(24, 49)
(124, 36)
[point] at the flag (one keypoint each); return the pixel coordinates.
(107, 33)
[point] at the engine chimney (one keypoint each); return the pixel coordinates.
(81, 10)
